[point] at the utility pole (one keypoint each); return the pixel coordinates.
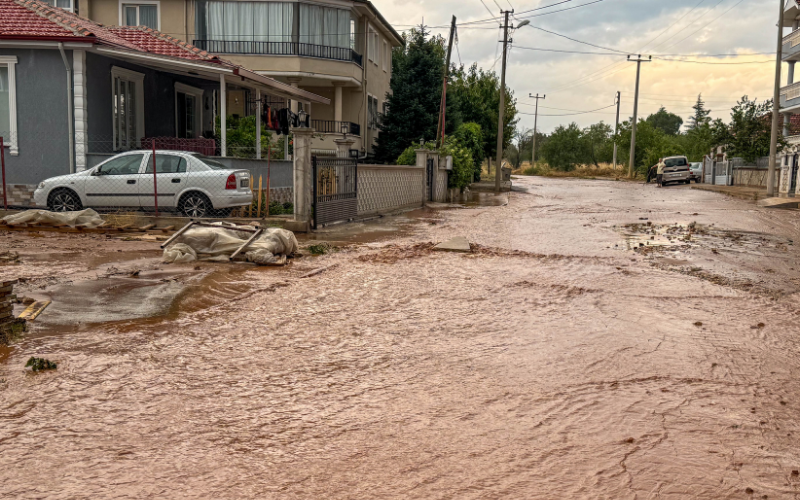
(502, 111)
(776, 109)
(616, 128)
(639, 62)
(535, 120)
(443, 105)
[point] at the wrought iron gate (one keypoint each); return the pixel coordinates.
(429, 180)
(335, 189)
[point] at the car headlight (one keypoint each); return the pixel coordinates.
(41, 185)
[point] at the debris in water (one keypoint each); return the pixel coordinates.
(34, 310)
(320, 248)
(28, 300)
(457, 244)
(317, 271)
(38, 364)
(698, 323)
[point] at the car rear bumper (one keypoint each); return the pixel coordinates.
(676, 176)
(236, 199)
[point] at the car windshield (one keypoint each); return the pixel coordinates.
(210, 163)
(675, 162)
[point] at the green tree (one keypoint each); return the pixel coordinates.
(470, 136)
(700, 116)
(564, 149)
(598, 143)
(669, 123)
(748, 134)
(478, 95)
(651, 144)
(413, 103)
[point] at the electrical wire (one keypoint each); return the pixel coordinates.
(707, 24)
(572, 114)
(673, 24)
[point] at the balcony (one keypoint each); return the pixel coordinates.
(334, 127)
(249, 47)
(790, 96)
(791, 46)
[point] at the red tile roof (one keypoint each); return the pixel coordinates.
(156, 42)
(33, 19)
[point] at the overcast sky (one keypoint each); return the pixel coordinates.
(582, 82)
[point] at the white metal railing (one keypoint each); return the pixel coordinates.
(793, 38)
(791, 91)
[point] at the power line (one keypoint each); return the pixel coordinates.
(542, 49)
(578, 41)
(572, 114)
(673, 24)
(707, 24)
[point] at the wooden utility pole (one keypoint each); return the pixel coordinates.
(616, 129)
(502, 112)
(535, 121)
(440, 129)
(776, 109)
(639, 62)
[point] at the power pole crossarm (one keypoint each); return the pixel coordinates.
(502, 110)
(535, 122)
(632, 161)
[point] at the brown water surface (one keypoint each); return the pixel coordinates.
(554, 361)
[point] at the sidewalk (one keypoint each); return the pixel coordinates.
(754, 193)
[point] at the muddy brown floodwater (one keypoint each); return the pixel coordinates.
(603, 340)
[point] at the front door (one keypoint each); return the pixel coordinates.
(171, 179)
(114, 183)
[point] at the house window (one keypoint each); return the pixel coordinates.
(127, 108)
(385, 54)
(372, 112)
(140, 15)
(376, 43)
(8, 103)
(371, 44)
(62, 4)
(188, 111)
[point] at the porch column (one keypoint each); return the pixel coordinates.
(303, 180)
(223, 117)
(337, 101)
(258, 124)
(294, 81)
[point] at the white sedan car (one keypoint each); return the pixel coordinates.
(189, 183)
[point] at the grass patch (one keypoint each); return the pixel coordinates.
(605, 170)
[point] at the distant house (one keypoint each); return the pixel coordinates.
(72, 92)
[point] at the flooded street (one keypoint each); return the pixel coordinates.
(602, 340)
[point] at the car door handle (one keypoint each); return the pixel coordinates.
(131, 181)
(176, 180)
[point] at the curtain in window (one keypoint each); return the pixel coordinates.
(64, 4)
(131, 16)
(5, 104)
(261, 20)
(148, 16)
(244, 25)
(230, 21)
(215, 16)
(311, 24)
(343, 29)
(330, 27)
(281, 20)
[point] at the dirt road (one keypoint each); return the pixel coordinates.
(603, 340)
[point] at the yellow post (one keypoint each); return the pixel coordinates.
(250, 208)
(258, 213)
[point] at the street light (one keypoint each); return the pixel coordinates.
(524, 23)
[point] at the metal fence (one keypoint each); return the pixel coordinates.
(335, 189)
(279, 48)
(160, 175)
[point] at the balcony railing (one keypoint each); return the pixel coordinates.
(792, 39)
(334, 127)
(791, 91)
(279, 49)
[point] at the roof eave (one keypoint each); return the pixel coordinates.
(39, 38)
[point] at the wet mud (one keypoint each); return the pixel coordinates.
(558, 359)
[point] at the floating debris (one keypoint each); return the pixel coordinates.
(39, 364)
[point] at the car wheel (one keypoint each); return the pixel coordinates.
(64, 200)
(195, 205)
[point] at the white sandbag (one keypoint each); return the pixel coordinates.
(180, 252)
(81, 218)
(218, 243)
